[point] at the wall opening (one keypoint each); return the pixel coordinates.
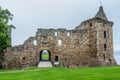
(56, 34)
(35, 42)
(68, 34)
(105, 47)
(104, 57)
(76, 45)
(45, 55)
(59, 43)
(56, 58)
(23, 58)
(90, 24)
(104, 34)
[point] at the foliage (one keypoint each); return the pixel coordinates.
(5, 28)
(96, 73)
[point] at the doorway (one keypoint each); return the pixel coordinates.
(45, 55)
(56, 58)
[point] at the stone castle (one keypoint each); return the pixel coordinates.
(89, 44)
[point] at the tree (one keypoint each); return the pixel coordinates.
(5, 28)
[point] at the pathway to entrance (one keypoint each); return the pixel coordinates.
(45, 64)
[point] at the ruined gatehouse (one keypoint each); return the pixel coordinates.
(88, 44)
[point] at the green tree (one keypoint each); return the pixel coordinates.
(5, 28)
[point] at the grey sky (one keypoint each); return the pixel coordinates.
(32, 14)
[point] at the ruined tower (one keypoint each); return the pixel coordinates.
(89, 44)
(101, 38)
(104, 38)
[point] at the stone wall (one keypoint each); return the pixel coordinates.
(20, 56)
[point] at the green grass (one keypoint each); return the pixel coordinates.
(97, 73)
(45, 56)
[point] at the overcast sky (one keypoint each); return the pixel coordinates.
(32, 14)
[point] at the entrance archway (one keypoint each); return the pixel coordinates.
(45, 55)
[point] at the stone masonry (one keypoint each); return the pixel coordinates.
(89, 44)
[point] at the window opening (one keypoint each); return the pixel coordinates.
(105, 47)
(56, 58)
(56, 34)
(90, 24)
(104, 34)
(23, 58)
(68, 34)
(59, 42)
(35, 42)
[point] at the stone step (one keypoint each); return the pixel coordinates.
(45, 64)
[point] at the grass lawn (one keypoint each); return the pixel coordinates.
(97, 73)
(45, 56)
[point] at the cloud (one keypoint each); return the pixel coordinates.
(117, 58)
(32, 14)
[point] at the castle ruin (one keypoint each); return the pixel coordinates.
(89, 44)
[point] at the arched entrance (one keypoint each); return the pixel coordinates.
(44, 59)
(45, 55)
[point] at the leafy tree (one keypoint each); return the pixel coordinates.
(5, 28)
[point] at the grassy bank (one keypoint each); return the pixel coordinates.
(97, 73)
